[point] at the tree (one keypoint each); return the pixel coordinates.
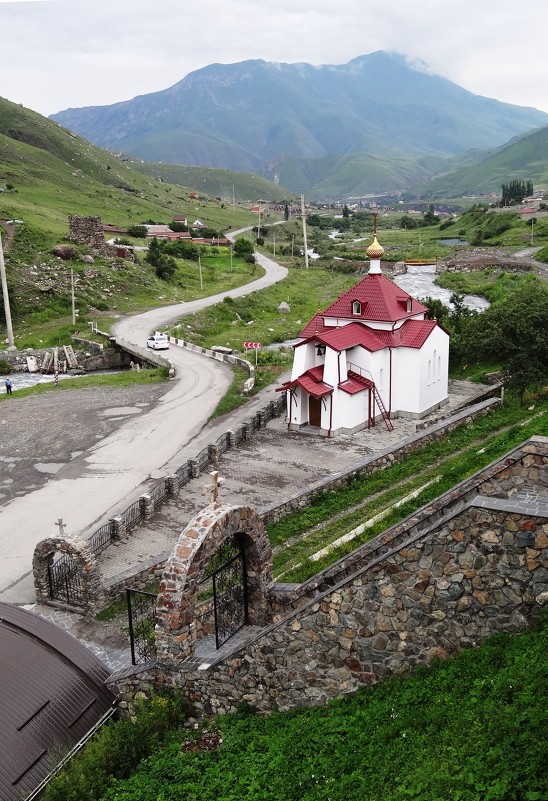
(243, 248)
(515, 332)
(137, 231)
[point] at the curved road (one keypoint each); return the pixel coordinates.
(109, 471)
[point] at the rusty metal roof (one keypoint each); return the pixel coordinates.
(53, 694)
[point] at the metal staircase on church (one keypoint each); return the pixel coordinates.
(356, 376)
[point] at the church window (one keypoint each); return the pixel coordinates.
(409, 301)
(356, 307)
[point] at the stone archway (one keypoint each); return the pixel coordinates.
(176, 611)
(77, 568)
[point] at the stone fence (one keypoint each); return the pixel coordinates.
(446, 580)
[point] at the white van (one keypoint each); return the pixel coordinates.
(158, 342)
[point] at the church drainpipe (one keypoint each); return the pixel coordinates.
(390, 386)
(330, 415)
(290, 407)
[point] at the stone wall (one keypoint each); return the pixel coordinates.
(482, 571)
(86, 231)
(473, 563)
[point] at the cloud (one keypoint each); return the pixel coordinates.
(61, 53)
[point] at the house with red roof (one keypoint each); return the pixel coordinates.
(371, 355)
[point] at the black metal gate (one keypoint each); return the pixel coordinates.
(64, 581)
(229, 580)
(142, 621)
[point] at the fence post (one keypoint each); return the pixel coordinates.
(214, 455)
(194, 468)
(147, 506)
(119, 528)
(232, 439)
(172, 486)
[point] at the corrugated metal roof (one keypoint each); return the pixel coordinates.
(53, 694)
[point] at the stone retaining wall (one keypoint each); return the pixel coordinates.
(434, 596)
(477, 570)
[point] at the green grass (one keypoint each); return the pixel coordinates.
(255, 317)
(445, 463)
(493, 283)
(471, 728)
(116, 380)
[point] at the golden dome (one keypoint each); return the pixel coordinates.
(375, 251)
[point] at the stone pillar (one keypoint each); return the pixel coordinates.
(194, 468)
(119, 528)
(172, 484)
(147, 505)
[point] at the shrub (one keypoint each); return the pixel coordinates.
(118, 748)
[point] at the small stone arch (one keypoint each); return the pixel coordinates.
(86, 570)
(176, 618)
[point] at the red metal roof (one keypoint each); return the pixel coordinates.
(381, 299)
(412, 334)
(347, 336)
(355, 383)
(315, 326)
(311, 381)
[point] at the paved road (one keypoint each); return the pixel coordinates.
(103, 475)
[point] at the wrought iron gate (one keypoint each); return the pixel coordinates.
(64, 581)
(229, 580)
(142, 622)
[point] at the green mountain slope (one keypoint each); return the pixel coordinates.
(47, 173)
(257, 115)
(522, 158)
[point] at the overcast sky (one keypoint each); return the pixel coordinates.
(56, 54)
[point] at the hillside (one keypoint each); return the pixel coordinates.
(522, 158)
(293, 122)
(47, 173)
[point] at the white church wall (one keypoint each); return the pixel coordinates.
(406, 379)
(303, 360)
(435, 369)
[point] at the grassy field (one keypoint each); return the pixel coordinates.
(369, 505)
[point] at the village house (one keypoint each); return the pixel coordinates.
(371, 355)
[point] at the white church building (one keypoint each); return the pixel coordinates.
(370, 356)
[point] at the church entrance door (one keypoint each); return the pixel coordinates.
(314, 411)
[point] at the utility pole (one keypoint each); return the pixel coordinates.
(200, 268)
(72, 296)
(7, 311)
(259, 222)
(532, 224)
(304, 232)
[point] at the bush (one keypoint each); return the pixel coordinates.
(118, 748)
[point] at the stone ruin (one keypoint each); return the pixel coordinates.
(89, 231)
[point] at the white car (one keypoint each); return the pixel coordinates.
(158, 342)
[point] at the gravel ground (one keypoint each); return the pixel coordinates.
(39, 434)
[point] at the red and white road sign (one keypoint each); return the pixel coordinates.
(252, 344)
